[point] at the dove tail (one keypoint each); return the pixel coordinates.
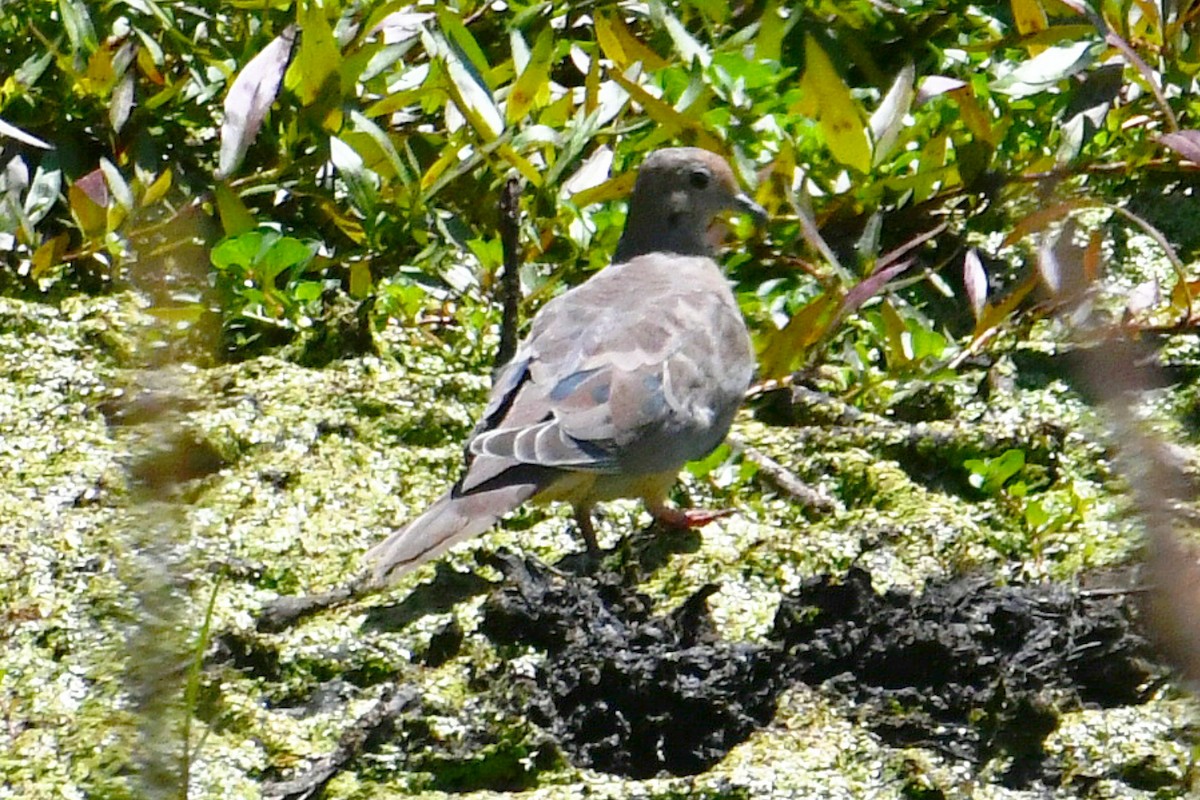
(453, 518)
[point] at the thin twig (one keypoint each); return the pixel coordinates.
(379, 721)
(510, 280)
(782, 477)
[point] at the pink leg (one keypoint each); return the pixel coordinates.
(688, 517)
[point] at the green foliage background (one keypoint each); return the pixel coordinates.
(390, 129)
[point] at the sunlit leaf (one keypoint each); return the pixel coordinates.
(100, 73)
(783, 349)
(978, 122)
(13, 132)
(666, 115)
(773, 26)
(249, 99)
(48, 255)
(522, 164)
(612, 189)
(237, 251)
(933, 85)
(1185, 143)
(42, 194)
(158, 189)
(89, 198)
(78, 25)
(122, 102)
(360, 279)
(591, 173)
(532, 88)
(685, 44)
(1004, 307)
(621, 47)
(827, 99)
(467, 88)
(888, 119)
(313, 75)
(361, 124)
(461, 39)
(1030, 17)
(117, 184)
(1045, 70)
(361, 182)
(975, 282)
(899, 350)
(871, 286)
(282, 254)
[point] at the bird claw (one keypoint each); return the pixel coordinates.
(688, 518)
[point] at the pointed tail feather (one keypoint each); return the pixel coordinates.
(448, 521)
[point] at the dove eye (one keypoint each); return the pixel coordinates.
(699, 179)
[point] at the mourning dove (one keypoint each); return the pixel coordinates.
(621, 381)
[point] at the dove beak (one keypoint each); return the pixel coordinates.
(743, 204)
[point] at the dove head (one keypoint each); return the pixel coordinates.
(678, 193)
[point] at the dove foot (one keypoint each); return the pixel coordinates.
(687, 518)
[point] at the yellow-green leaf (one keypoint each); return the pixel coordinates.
(158, 189)
(611, 189)
(522, 164)
(785, 348)
(826, 98)
(532, 88)
(772, 27)
(621, 47)
(360, 279)
(48, 255)
(313, 75)
(1029, 16)
(666, 115)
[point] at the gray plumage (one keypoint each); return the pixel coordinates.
(621, 380)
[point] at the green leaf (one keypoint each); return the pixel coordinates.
(237, 251)
(284, 253)
(990, 474)
(783, 349)
(235, 217)
(78, 25)
(308, 291)
(360, 123)
(461, 39)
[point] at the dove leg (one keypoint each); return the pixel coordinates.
(583, 518)
(687, 517)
